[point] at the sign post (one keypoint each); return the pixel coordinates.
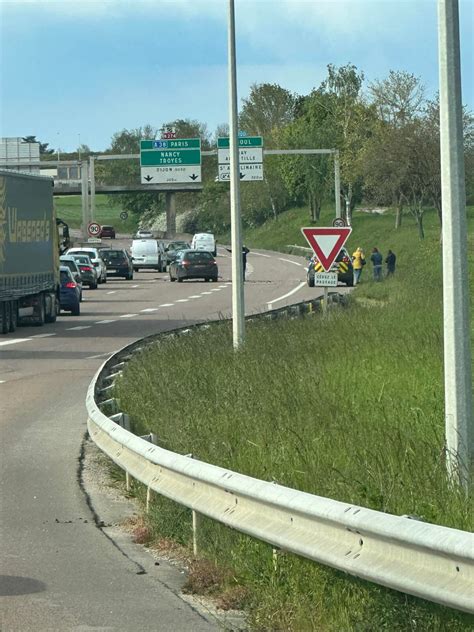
(170, 160)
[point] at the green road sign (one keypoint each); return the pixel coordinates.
(163, 157)
(244, 141)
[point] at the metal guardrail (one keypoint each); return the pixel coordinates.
(429, 561)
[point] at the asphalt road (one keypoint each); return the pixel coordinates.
(58, 570)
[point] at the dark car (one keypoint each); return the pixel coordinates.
(107, 231)
(193, 264)
(342, 265)
(173, 247)
(118, 263)
(87, 270)
(71, 263)
(68, 292)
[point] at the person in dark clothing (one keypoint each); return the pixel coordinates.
(245, 252)
(390, 261)
(377, 259)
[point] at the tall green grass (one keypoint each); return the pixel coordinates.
(349, 406)
(69, 208)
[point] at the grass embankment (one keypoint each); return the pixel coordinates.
(69, 208)
(349, 407)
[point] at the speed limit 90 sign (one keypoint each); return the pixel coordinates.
(94, 229)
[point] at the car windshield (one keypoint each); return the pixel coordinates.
(83, 260)
(70, 264)
(65, 276)
(90, 253)
(198, 256)
(112, 254)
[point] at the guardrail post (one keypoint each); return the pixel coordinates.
(195, 534)
(148, 498)
(128, 481)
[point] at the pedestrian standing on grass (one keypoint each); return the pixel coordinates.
(377, 260)
(358, 262)
(390, 261)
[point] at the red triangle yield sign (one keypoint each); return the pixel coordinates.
(326, 242)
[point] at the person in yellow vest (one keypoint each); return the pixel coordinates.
(358, 262)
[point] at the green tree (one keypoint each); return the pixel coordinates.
(399, 99)
(352, 123)
(43, 146)
(266, 111)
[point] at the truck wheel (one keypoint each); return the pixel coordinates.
(14, 316)
(6, 316)
(52, 315)
(40, 316)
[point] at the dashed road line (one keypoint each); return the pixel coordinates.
(135, 286)
(128, 315)
(14, 341)
(195, 296)
(149, 309)
(216, 289)
(224, 286)
(43, 335)
(182, 300)
(100, 355)
(104, 322)
(78, 328)
(112, 292)
(167, 305)
(295, 263)
(259, 254)
(205, 292)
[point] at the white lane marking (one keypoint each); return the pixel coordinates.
(101, 355)
(112, 292)
(216, 289)
(223, 286)
(295, 263)
(298, 287)
(2, 381)
(13, 342)
(205, 292)
(43, 335)
(135, 286)
(167, 305)
(104, 322)
(182, 300)
(128, 315)
(150, 309)
(195, 296)
(78, 328)
(259, 254)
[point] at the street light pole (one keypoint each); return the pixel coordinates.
(457, 353)
(238, 307)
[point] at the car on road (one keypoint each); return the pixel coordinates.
(204, 241)
(144, 233)
(342, 265)
(173, 247)
(69, 296)
(148, 254)
(193, 264)
(71, 263)
(118, 262)
(97, 261)
(107, 231)
(87, 270)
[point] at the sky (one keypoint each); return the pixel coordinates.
(77, 71)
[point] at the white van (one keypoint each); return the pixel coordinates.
(204, 241)
(148, 253)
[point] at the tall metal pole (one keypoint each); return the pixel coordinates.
(337, 183)
(238, 308)
(84, 198)
(92, 179)
(457, 353)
